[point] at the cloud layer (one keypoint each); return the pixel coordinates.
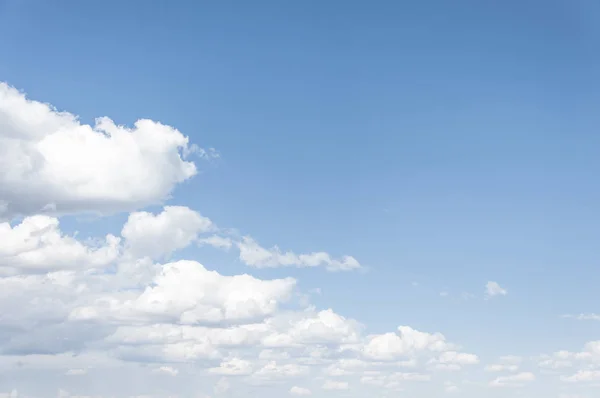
(129, 305)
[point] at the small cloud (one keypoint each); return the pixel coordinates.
(516, 380)
(583, 317)
(167, 370)
(300, 391)
(493, 289)
(76, 372)
(335, 385)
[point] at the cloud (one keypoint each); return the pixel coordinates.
(233, 367)
(493, 289)
(507, 363)
(155, 235)
(407, 341)
(582, 376)
(50, 161)
(513, 380)
(252, 254)
(295, 390)
(76, 372)
(186, 292)
(37, 245)
(452, 360)
(501, 368)
(335, 385)
(168, 370)
(583, 317)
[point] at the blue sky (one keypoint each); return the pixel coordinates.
(441, 144)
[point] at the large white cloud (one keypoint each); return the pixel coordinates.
(186, 292)
(51, 161)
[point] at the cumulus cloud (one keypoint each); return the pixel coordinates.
(186, 292)
(36, 245)
(50, 161)
(155, 235)
(407, 341)
(493, 289)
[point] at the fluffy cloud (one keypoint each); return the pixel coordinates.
(233, 367)
(186, 292)
(493, 289)
(407, 341)
(37, 245)
(50, 161)
(147, 234)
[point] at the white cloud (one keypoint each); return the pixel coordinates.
(147, 234)
(252, 254)
(76, 372)
(37, 245)
(493, 289)
(274, 370)
(507, 363)
(515, 380)
(168, 370)
(49, 160)
(391, 346)
(335, 385)
(220, 242)
(583, 376)
(233, 367)
(501, 368)
(584, 317)
(452, 360)
(188, 293)
(300, 391)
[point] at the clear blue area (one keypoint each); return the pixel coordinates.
(443, 142)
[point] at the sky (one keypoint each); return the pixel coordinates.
(312, 198)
